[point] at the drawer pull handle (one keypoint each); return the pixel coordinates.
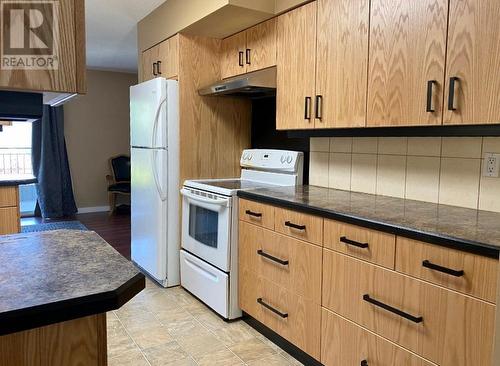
(274, 259)
(439, 268)
(254, 214)
(415, 319)
(269, 307)
(364, 363)
(295, 226)
(344, 240)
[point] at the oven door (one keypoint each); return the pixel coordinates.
(206, 226)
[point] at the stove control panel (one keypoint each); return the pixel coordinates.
(275, 160)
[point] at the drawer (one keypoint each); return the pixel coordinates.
(347, 344)
(290, 263)
(299, 225)
(9, 197)
(463, 272)
(440, 325)
(256, 213)
(370, 245)
(9, 220)
(293, 317)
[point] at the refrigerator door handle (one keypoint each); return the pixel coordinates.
(163, 196)
(155, 125)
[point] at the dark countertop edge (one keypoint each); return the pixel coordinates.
(60, 311)
(17, 182)
(443, 240)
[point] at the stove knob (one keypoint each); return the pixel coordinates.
(250, 156)
(289, 159)
(282, 159)
(244, 157)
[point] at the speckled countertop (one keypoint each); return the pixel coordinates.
(16, 179)
(51, 276)
(465, 229)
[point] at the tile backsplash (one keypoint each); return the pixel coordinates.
(443, 170)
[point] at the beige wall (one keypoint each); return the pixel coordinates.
(443, 170)
(96, 127)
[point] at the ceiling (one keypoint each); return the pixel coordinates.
(112, 32)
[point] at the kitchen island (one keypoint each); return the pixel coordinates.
(55, 290)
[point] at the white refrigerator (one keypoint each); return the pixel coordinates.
(154, 140)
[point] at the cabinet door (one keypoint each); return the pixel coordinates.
(474, 58)
(341, 63)
(406, 63)
(261, 46)
(63, 77)
(233, 55)
(168, 58)
(9, 220)
(148, 59)
(296, 62)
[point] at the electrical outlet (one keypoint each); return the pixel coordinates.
(491, 165)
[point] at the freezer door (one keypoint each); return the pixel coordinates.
(149, 210)
(148, 114)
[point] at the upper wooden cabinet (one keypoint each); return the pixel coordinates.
(341, 63)
(161, 60)
(296, 62)
(472, 67)
(250, 50)
(322, 65)
(407, 58)
(66, 54)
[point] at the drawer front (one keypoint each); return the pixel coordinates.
(299, 225)
(471, 274)
(369, 245)
(257, 213)
(8, 197)
(455, 330)
(347, 344)
(290, 263)
(9, 220)
(293, 317)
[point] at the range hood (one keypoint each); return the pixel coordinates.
(20, 106)
(255, 84)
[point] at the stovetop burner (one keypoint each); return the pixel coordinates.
(235, 184)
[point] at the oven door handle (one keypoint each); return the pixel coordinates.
(193, 197)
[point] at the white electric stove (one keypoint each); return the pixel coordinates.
(209, 254)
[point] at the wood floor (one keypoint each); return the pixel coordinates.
(115, 229)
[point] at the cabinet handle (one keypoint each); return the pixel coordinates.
(436, 267)
(364, 363)
(344, 240)
(295, 226)
(154, 68)
(274, 259)
(240, 58)
(451, 94)
(267, 306)
(254, 214)
(415, 319)
(430, 85)
(158, 67)
(307, 108)
(247, 56)
(319, 107)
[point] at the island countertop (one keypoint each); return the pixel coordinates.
(461, 228)
(16, 179)
(54, 276)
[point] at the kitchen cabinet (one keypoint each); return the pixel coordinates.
(296, 62)
(472, 72)
(407, 58)
(67, 56)
(251, 50)
(322, 65)
(161, 60)
(9, 210)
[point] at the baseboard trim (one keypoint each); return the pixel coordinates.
(93, 209)
(280, 341)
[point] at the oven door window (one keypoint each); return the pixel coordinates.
(203, 225)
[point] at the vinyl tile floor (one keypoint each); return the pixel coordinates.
(171, 327)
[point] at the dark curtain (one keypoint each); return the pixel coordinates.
(51, 167)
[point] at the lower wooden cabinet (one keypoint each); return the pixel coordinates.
(9, 210)
(440, 325)
(343, 343)
(291, 316)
